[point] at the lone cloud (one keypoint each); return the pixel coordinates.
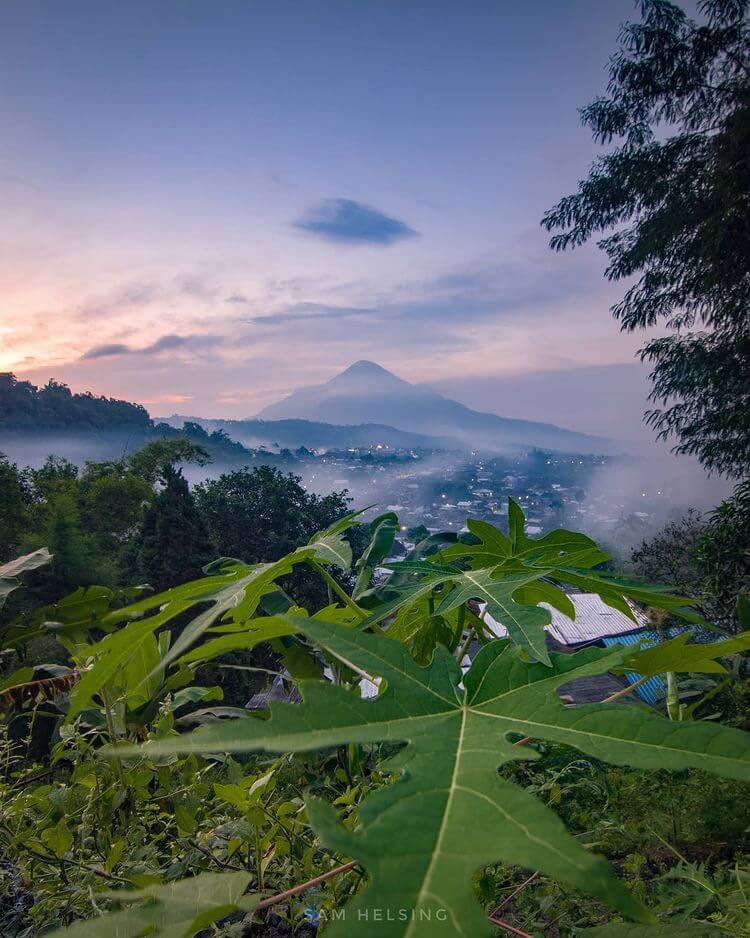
(346, 221)
(163, 344)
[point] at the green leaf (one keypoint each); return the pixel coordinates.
(450, 812)
(410, 592)
(196, 694)
(383, 531)
(418, 627)
(85, 608)
(141, 675)
(560, 557)
(421, 550)
(329, 546)
(676, 655)
(9, 572)
(525, 624)
(516, 525)
(177, 910)
(185, 820)
(112, 654)
(58, 838)
(543, 592)
(259, 630)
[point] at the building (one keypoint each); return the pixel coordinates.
(596, 623)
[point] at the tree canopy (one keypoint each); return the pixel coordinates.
(673, 197)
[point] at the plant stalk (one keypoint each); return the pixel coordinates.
(336, 588)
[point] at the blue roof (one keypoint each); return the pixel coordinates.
(655, 688)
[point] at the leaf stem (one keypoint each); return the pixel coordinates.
(377, 681)
(258, 857)
(508, 899)
(57, 861)
(626, 690)
(295, 890)
(113, 737)
(459, 626)
(465, 647)
(509, 928)
(337, 589)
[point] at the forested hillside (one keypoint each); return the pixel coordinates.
(34, 422)
(23, 406)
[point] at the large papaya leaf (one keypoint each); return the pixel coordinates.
(177, 910)
(233, 590)
(450, 813)
(497, 564)
(240, 598)
(231, 593)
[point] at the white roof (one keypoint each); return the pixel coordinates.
(594, 620)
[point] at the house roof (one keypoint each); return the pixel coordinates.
(276, 690)
(655, 688)
(594, 621)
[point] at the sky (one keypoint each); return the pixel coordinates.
(208, 204)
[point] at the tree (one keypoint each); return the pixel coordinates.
(24, 406)
(173, 544)
(156, 457)
(675, 197)
(723, 551)
(708, 558)
(112, 504)
(14, 508)
(58, 476)
(670, 556)
(261, 514)
(72, 561)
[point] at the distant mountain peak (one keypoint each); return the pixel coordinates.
(363, 366)
(364, 369)
(367, 393)
(363, 375)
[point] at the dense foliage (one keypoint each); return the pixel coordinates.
(673, 195)
(708, 557)
(109, 517)
(432, 826)
(173, 544)
(111, 427)
(23, 405)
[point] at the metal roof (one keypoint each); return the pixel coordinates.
(655, 688)
(594, 621)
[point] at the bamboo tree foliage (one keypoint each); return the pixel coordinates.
(670, 199)
(448, 812)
